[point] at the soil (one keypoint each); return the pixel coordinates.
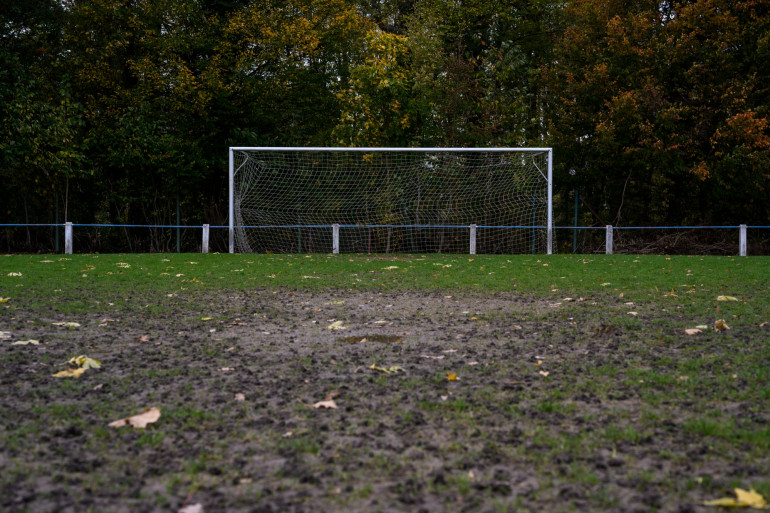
(444, 401)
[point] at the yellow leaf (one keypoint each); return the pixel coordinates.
(337, 325)
(720, 325)
(451, 376)
(4, 299)
(70, 373)
(26, 342)
(67, 324)
(206, 318)
(139, 421)
(387, 370)
(727, 298)
(85, 362)
(743, 499)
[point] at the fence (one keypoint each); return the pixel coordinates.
(609, 245)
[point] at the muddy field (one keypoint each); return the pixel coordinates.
(444, 402)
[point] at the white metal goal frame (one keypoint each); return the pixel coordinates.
(548, 176)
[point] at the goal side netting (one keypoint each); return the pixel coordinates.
(387, 200)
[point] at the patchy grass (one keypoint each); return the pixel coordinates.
(577, 387)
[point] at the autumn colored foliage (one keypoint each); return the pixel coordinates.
(114, 112)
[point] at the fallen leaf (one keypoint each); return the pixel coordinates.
(336, 325)
(429, 357)
(143, 338)
(4, 299)
(693, 331)
(451, 376)
(26, 342)
(702, 327)
(326, 404)
(743, 499)
(720, 325)
(4, 335)
(67, 324)
(70, 373)
(633, 313)
(727, 298)
(670, 294)
(240, 397)
(206, 318)
(85, 362)
(543, 373)
(138, 421)
(762, 325)
(192, 508)
(387, 370)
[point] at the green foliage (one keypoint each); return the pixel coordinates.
(121, 109)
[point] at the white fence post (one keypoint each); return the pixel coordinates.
(742, 241)
(609, 239)
(68, 238)
(473, 239)
(205, 241)
(336, 239)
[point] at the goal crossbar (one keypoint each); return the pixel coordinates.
(548, 177)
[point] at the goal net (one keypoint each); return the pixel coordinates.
(386, 200)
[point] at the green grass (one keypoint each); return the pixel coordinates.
(689, 277)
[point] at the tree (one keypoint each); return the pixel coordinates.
(642, 95)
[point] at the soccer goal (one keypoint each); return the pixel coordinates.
(388, 200)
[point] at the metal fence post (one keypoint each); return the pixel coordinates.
(205, 241)
(742, 241)
(68, 238)
(609, 239)
(336, 239)
(473, 239)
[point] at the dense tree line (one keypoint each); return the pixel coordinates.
(121, 111)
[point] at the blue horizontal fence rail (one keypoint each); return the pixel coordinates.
(609, 230)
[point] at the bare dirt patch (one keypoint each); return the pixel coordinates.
(445, 401)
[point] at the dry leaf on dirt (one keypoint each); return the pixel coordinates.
(240, 397)
(138, 421)
(326, 404)
(743, 499)
(693, 331)
(543, 373)
(387, 370)
(336, 325)
(429, 357)
(727, 298)
(67, 324)
(4, 335)
(192, 508)
(721, 325)
(26, 342)
(85, 362)
(70, 373)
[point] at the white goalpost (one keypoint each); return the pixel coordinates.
(388, 200)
